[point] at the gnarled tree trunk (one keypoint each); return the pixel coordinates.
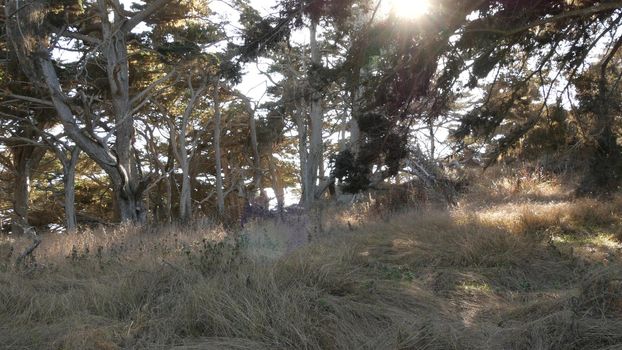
(29, 36)
(26, 159)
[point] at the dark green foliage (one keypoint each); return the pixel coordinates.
(353, 176)
(552, 136)
(487, 61)
(64, 12)
(264, 34)
(493, 41)
(178, 49)
(382, 145)
(601, 106)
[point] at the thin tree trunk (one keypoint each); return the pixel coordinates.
(169, 184)
(220, 196)
(257, 171)
(321, 170)
(69, 182)
(185, 195)
(355, 131)
(316, 117)
(432, 139)
(343, 142)
(168, 191)
(303, 154)
(185, 198)
(21, 197)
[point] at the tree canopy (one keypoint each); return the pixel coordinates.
(129, 111)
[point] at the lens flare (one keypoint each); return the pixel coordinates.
(409, 8)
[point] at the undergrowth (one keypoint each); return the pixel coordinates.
(497, 271)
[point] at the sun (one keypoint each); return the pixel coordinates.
(409, 8)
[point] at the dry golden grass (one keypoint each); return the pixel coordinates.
(517, 273)
(521, 183)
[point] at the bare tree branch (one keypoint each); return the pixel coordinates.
(32, 99)
(143, 94)
(144, 14)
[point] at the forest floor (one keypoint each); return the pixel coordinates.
(506, 268)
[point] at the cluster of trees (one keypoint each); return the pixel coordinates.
(131, 113)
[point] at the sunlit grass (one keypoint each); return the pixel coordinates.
(517, 273)
(605, 240)
(476, 287)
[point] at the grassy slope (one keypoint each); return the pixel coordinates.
(528, 270)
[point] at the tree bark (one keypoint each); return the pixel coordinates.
(127, 184)
(21, 197)
(252, 124)
(25, 30)
(69, 164)
(26, 159)
(20, 202)
(220, 196)
(316, 119)
(168, 192)
(257, 173)
(185, 197)
(432, 137)
(355, 131)
(303, 155)
(69, 182)
(169, 184)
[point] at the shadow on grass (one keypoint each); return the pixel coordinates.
(431, 279)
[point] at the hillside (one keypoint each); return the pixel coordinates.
(503, 269)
